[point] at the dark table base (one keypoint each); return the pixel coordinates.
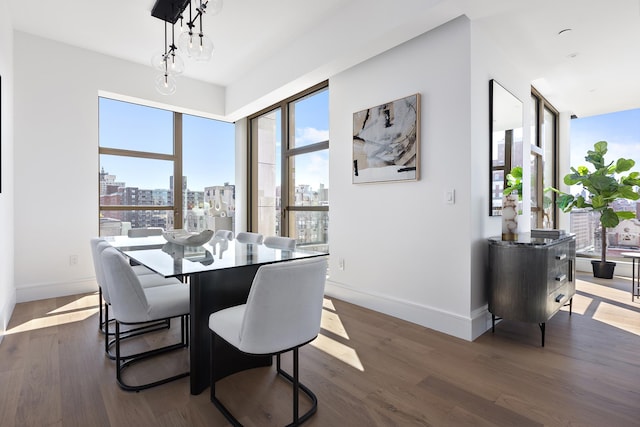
(213, 291)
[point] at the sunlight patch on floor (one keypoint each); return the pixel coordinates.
(76, 311)
(580, 304)
(331, 322)
(604, 291)
(328, 304)
(338, 350)
(85, 302)
(54, 320)
(613, 315)
(609, 303)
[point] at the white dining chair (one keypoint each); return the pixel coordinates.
(282, 313)
(279, 242)
(247, 237)
(147, 278)
(95, 243)
(134, 305)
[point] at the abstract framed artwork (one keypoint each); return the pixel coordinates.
(386, 142)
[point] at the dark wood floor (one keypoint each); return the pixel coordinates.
(367, 369)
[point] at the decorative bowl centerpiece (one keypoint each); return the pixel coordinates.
(185, 238)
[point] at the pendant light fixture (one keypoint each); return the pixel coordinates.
(169, 64)
(192, 42)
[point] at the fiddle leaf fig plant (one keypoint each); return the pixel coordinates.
(514, 182)
(603, 185)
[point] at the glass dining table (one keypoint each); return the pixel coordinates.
(219, 275)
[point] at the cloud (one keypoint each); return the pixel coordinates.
(308, 135)
(313, 169)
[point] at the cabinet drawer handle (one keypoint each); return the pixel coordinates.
(559, 297)
(561, 278)
(561, 257)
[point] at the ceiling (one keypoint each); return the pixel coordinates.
(592, 69)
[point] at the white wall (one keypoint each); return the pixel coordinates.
(488, 62)
(56, 155)
(406, 252)
(7, 288)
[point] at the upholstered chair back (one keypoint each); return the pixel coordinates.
(128, 300)
(284, 306)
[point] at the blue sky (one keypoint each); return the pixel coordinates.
(312, 125)
(208, 145)
(621, 130)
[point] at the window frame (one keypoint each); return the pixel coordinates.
(537, 150)
(287, 155)
(176, 158)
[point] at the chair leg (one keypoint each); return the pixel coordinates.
(297, 385)
(131, 333)
(106, 332)
(218, 404)
(294, 380)
(123, 362)
(104, 315)
(101, 324)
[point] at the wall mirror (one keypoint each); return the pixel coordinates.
(505, 131)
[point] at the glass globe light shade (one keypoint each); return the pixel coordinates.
(157, 61)
(175, 64)
(205, 48)
(187, 43)
(183, 27)
(165, 84)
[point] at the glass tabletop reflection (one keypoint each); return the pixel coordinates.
(169, 259)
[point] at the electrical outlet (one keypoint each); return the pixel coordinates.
(73, 260)
(341, 263)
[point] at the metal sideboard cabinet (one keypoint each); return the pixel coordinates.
(531, 278)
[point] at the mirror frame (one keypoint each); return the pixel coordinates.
(506, 114)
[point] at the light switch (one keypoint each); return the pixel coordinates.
(450, 197)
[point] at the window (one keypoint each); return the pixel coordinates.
(544, 149)
(208, 164)
(621, 130)
(289, 151)
(145, 153)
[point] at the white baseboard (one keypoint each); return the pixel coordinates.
(53, 290)
(6, 310)
(480, 321)
(429, 317)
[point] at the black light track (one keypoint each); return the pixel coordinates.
(169, 10)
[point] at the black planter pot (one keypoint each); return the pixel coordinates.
(603, 270)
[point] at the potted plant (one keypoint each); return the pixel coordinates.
(514, 182)
(603, 186)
